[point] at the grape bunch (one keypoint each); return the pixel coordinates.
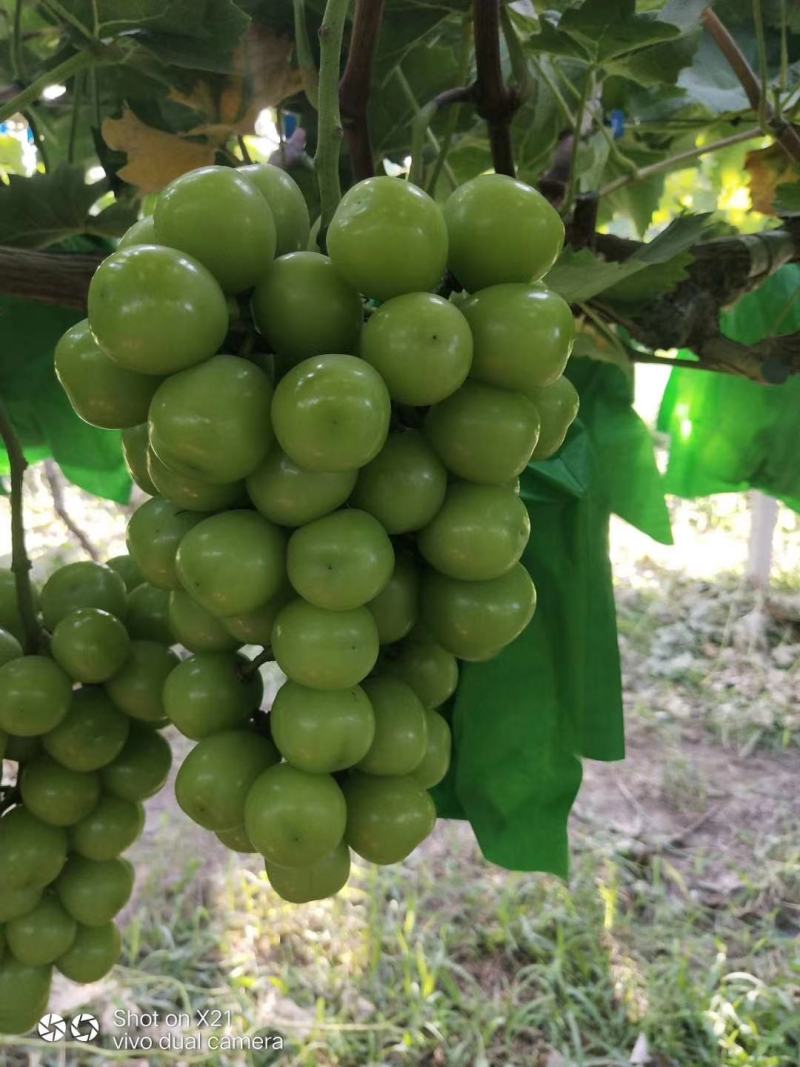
(332, 445)
(80, 721)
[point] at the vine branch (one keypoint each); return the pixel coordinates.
(784, 133)
(355, 84)
(20, 564)
(31, 93)
(329, 136)
(494, 101)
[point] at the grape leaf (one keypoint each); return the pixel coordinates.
(46, 208)
(710, 82)
(602, 30)
(581, 275)
(198, 34)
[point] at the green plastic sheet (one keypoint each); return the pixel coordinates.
(728, 434)
(522, 721)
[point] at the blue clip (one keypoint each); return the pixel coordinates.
(289, 124)
(617, 119)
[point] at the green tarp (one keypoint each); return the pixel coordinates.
(729, 434)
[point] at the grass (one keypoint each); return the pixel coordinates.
(449, 961)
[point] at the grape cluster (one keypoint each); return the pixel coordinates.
(80, 721)
(332, 449)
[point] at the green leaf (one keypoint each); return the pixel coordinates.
(603, 30)
(710, 82)
(658, 64)
(199, 34)
(581, 275)
(46, 208)
(787, 199)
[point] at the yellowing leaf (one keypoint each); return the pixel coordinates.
(768, 168)
(155, 157)
(263, 77)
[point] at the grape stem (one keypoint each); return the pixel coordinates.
(20, 563)
(329, 136)
(772, 123)
(61, 73)
(493, 100)
(355, 83)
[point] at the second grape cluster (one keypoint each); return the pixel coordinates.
(332, 445)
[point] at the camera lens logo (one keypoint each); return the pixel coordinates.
(84, 1027)
(52, 1028)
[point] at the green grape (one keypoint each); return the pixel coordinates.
(42, 935)
(55, 794)
(286, 202)
(108, 830)
(32, 852)
(232, 563)
(474, 620)
(16, 902)
(236, 840)
(217, 216)
(523, 335)
(341, 561)
(92, 733)
(82, 585)
(90, 644)
(500, 230)
(401, 735)
(331, 413)
(396, 607)
(155, 531)
(480, 532)
(303, 307)
(137, 688)
(324, 649)
(10, 648)
(209, 692)
(388, 237)
(421, 345)
(404, 486)
(101, 392)
(93, 953)
(141, 769)
(387, 817)
(315, 881)
(294, 818)
(483, 434)
(429, 669)
(135, 450)
(156, 310)
(148, 614)
(93, 891)
(255, 627)
(322, 731)
(127, 570)
(212, 424)
(215, 778)
(195, 628)
(557, 404)
(10, 618)
(436, 761)
(142, 232)
(34, 695)
(24, 992)
(188, 493)
(291, 496)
